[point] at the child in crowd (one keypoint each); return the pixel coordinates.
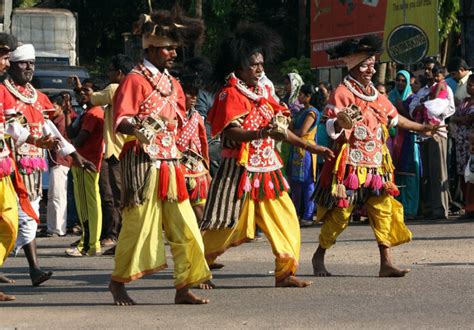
(192, 143)
(438, 99)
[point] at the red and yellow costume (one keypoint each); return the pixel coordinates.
(154, 184)
(12, 192)
(30, 111)
(192, 142)
(249, 188)
(362, 173)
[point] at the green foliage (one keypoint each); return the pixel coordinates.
(25, 3)
(302, 65)
(447, 20)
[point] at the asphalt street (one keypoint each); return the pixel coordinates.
(437, 293)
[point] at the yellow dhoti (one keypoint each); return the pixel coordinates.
(385, 217)
(140, 249)
(277, 219)
(8, 218)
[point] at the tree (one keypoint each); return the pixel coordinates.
(448, 25)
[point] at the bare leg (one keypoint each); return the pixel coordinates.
(5, 279)
(36, 274)
(199, 212)
(185, 296)
(292, 282)
(319, 268)
(387, 269)
(121, 297)
(6, 297)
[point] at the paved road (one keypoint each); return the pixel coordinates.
(438, 293)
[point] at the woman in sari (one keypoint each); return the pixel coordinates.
(405, 151)
(302, 164)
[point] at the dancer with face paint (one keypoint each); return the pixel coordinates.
(362, 173)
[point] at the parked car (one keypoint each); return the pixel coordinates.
(56, 76)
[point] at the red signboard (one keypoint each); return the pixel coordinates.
(333, 21)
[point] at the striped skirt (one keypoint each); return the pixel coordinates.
(223, 205)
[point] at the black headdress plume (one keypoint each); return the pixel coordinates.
(371, 44)
(235, 51)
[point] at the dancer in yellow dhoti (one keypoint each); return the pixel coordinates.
(249, 188)
(149, 108)
(362, 173)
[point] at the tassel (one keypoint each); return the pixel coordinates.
(164, 180)
(340, 191)
(182, 192)
(44, 165)
(376, 183)
(343, 203)
(352, 181)
(285, 183)
(368, 180)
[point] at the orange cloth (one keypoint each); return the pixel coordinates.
(230, 105)
(132, 92)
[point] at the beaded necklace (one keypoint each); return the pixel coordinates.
(156, 85)
(29, 89)
(348, 82)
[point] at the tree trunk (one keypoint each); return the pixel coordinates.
(444, 50)
(301, 27)
(380, 74)
(198, 10)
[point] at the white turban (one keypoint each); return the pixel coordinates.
(23, 53)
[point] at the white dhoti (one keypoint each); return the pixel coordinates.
(27, 226)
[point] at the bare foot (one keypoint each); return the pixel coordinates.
(319, 268)
(121, 297)
(216, 265)
(5, 279)
(184, 296)
(392, 271)
(208, 285)
(6, 297)
(292, 282)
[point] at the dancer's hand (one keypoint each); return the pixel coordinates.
(47, 142)
(326, 153)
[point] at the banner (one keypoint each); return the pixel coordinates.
(409, 27)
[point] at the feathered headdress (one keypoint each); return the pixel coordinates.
(236, 50)
(355, 51)
(165, 28)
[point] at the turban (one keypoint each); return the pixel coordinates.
(23, 53)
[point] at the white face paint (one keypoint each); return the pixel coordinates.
(368, 64)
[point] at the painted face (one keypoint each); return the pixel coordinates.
(251, 74)
(22, 71)
(401, 82)
(364, 72)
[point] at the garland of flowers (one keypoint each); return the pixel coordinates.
(10, 85)
(147, 74)
(369, 98)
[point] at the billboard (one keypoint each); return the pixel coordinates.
(409, 27)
